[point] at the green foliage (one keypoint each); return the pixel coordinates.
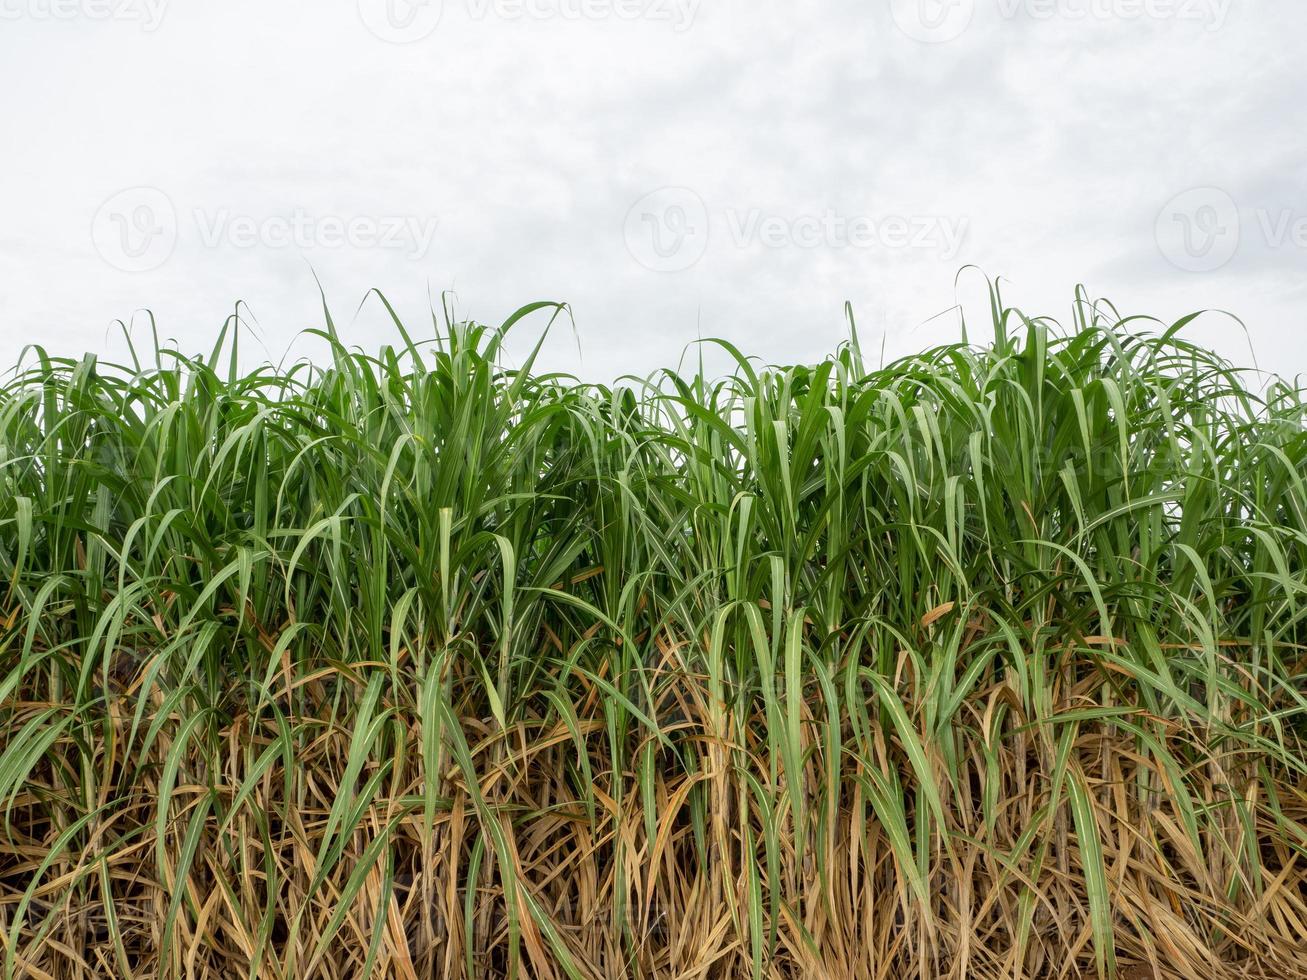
(967, 612)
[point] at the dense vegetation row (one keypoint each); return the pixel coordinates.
(985, 663)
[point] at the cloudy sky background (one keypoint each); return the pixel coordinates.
(671, 168)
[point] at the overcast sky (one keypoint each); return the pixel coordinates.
(671, 168)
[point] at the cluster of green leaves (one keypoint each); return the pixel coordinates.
(1107, 521)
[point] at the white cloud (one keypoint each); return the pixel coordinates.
(524, 134)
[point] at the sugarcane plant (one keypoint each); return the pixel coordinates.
(986, 662)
